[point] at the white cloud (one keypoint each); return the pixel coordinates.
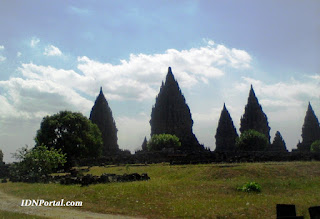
(19, 54)
(2, 58)
(52, 51)
(42, 90)
(1, 47)
(34, 42)
(290, 94)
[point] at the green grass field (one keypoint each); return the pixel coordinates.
(191, 191)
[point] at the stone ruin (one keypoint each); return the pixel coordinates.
(171, 115)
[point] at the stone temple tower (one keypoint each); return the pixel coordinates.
(171, 115)
(102, 116)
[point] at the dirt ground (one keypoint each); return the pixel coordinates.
(13, 204)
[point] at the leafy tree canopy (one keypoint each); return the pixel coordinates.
(160, 141)
(315, 146)
(71, 132)
(37, 162)
(252, 140)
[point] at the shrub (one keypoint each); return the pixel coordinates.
(315, 146)
(250, 187)
(36, 163)
(252, 140)
(158, 142)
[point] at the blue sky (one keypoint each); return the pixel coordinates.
(55, 55)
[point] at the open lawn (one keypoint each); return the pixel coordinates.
(191, 191)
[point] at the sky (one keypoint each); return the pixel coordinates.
(55, 55)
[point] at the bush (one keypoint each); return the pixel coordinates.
(252, 140)
(250, 187)
(161, 141)
(315, 146)
(36, 163)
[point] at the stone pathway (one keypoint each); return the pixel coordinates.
(11, 203)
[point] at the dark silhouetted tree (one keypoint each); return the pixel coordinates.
(278, 143)
(144, 144)
(253, 117)
(71, 132)
(310, 130)
(102, 116)
(171, 115)
(226, 132)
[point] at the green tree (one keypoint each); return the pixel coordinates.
(315, 146)
(160, 141)
(226, 134)
(71, 132)
(37, 162)
(252, 140)
(254, 117)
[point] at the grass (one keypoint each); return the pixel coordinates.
(191, 191)
(9, 215)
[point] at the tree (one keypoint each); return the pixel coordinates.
(252, 140)
(278, 143)
(310, 130)
(101, 115)
(36, 163)
(161, 141)
(172, 115)
(226, 132)
(71, 132)
(315, 146)
(253, 117)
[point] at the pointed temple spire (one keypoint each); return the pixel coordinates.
(254, 117)
(171, 115)
(101, 115)
(226, 132)
(310, 130)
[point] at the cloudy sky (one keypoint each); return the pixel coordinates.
(55, 55)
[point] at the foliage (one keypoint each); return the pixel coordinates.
(158, 142)
(250, 187)
(71, 132)
(37, 162)
(226, 132)
(252, 140)
(315, 146)
(254, 117)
